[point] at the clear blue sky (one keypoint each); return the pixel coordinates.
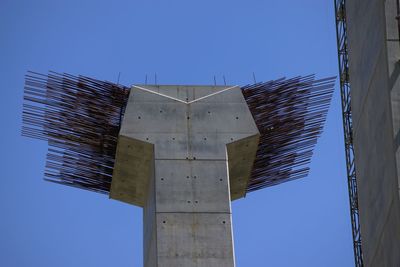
(300, 223)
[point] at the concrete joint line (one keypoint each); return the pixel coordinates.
(397, 140)
(198, 99)
(191, 159)
(187, 212)
(395, 75)
(381, 234)
(179, 100)
(376, 65)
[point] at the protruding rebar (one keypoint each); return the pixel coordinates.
(289, 114)
(80, 117)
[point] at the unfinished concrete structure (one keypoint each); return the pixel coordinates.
(182, 153)
(369, 54)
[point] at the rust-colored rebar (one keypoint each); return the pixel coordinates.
(80, 118)
(289, 114)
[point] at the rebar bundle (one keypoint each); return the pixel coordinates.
(289, 114)
(80, 117)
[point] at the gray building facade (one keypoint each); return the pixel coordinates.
(374, 69)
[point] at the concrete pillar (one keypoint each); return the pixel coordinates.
(183, 153)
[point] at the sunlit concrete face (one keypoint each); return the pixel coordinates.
(184, 152)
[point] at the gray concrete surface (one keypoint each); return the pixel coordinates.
(393, 50)
(183, 153)
(373, 54)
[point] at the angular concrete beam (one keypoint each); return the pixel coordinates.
(132, 170)
(135, 150)
(241, 157)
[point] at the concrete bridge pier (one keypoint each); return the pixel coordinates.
(184, 153)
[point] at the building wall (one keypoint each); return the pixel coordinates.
(393, 49)
(373, 54)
